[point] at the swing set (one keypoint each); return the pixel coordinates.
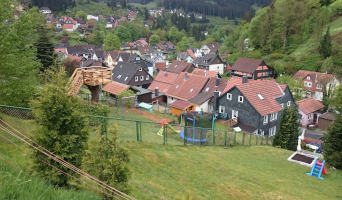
(122, 104)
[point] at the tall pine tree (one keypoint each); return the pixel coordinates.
(288, 131)
(45, 49)
(325, 46)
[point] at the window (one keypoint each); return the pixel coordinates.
(119, 76)
(138, 58)
(308, 77)
(309, 116)
(221, 109)
(265, 119)
(140, 69)
(260, 96)
(240, 99)
(262, 132)
(147, 77)
(229, 96)
(235, 114)
(272, 131)
(305, 83)
(141, 77)
(136, 78)
(319, 86)
(273, 116)
(126, 78)
(309, 84)
(288, 103)
(282, 105)
(267, 73)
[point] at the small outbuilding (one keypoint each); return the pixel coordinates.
(309, 110)
(178, 107)
(325, 119)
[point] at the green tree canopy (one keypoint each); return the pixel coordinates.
(123, 33)
(19, 66)
(82, 15)
(325, 47)
(288, 131)
(154, 39)
(172, 34)
(111, 42)
(133, 31)
(45, 49)
(106, 161)
(61, 127)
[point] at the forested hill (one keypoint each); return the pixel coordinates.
(222, 8)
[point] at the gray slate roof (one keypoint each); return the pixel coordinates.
(124, 72)
(206, 60)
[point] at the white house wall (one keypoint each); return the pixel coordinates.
(204, 107)
(170, 100)
(217, 68)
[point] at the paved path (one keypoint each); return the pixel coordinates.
(315, 134)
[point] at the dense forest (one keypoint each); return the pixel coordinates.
(222, 8)
(54, 5)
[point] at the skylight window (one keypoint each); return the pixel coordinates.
(177, 86)
(126, 78)
(119, 76)
(192, 89)
(175, 65)
(207, 89)
(260, 96)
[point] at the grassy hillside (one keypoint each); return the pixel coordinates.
(95, 8)
(151, 5)
(172, 172)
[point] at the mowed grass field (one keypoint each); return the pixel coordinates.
(174, 172)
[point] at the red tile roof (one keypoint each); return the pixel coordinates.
(68, 26)
(181, 104)
(187, 86)
(142, 42)
(163, 81)
(316, 77)
(191, 54)
(161, 66)
(179, 66)
(60, 50)
(77, 58)
(268, 89)
(248, 65)
(235, 81)
(208, 91)
(283, 86)
(208, 73)
(115, 88)
(309, 105)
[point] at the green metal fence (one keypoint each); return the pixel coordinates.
(152, 132)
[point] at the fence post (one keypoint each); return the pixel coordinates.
(164, 133)
(185, 136)
(137, 129)
(201, 136)
(234, 138)
(250, 139)
(243, 138)
(214, 136)
(103, 126)
(140, 132)
(225, 138)
(262, 140)
(267, 140)
(256, 141)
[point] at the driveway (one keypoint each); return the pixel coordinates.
(315, 134)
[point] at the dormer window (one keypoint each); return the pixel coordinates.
(308, 77)
(260, 96)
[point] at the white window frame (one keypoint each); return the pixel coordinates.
(265, 119)
(272, 131)
(273, 116)
(229, 96)
(288, 103)
(305, 83)
(147, 77)
(222, 109)
(235, 112)
(136, 78)
(141, 77)
(241, 99)
(310, 116)
(140, 68)
(309, 84)
(319, 86)
(308, 77)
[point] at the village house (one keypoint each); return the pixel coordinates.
(45, 10)
(132, 74)
(126, 48)
(159, 47)
(161, 84)
(206, 73)
(309, 110)
(112, 58)
(211, 62)
(144, 51)
(256, 105)
(185, 87)
(326, 119)
(180, 66)
(252, 68)
(315, 83)
(84, 50)
(169, 46)
(210, 48)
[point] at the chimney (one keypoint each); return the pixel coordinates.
(216, 103)
(156, 92)
(165, 74)
(217, 82)
(244, 79)
(205, 73)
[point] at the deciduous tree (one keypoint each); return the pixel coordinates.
(154, 39)
(82, 15)
(111, 42)
(123, 33)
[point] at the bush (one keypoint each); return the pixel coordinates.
(255, 54)
(58, 37)
(276, 56)
(227, 74)
(337, 7)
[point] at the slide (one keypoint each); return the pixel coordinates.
(161, 130)
(172, 128)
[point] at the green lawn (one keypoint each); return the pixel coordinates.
(172, 172)
(151, 5)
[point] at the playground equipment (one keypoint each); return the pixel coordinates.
(134, 101)
(92, 76)
(161, 130)
(317, 169)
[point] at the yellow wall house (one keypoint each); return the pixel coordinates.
(178, 107)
